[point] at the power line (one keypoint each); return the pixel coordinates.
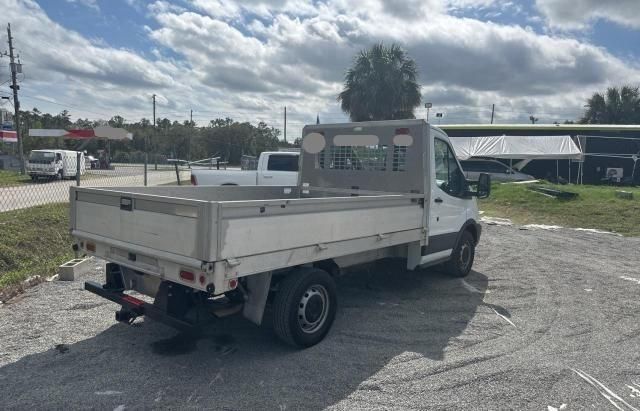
(66, 105)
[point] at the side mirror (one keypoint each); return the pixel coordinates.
(484, 185)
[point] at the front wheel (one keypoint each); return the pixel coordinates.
(462, 257)
(305, 307)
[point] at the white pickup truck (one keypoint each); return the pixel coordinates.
(275, 168)
(366, 191)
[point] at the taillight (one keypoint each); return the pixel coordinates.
(193, 180)
(233, 283)
(187, 276)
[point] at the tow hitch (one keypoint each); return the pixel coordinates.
(133, 307)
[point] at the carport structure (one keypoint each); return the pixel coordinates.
(604, 146)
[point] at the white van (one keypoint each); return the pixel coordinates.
(58, 164)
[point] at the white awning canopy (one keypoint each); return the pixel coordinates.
(519, 147)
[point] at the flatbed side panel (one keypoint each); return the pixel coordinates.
(160, 224)
(269, 233)
(258, 263)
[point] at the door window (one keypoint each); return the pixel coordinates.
(282, 163)
(448, 174)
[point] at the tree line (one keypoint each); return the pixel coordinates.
(222, 137)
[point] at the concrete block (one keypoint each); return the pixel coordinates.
(73, 268)
(627, 195)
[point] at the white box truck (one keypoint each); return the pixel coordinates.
(365, 191)
(54, 164)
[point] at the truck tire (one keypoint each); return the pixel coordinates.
(462, 257)
(304, 307)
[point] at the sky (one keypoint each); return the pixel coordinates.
(248, 60)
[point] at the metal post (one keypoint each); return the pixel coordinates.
(557, 173)
(177, 173)
(146, 160)
(78, 155)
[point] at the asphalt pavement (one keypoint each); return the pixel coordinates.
(547, 320)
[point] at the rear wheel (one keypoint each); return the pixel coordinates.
(462, 257)
(305, 307)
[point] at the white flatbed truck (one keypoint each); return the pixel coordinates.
(365, 191)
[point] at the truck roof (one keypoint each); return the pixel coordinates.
(54, 150)
(405, 123)
(290, 153)
(409, 122)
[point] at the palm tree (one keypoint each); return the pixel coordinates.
(616, 106)
(381, 85)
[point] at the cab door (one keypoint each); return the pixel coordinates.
(279, 170)
(448, 208)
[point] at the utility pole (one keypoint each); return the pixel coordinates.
(155, 155)
(190, 133)
(285, 124)
(493, 110)
(16, 102)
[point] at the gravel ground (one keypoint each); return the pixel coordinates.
(548, 320)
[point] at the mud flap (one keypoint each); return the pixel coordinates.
(258, 289)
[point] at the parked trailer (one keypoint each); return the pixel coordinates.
(365, 191)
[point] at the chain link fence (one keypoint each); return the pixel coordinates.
(50, 174)
(34, 207)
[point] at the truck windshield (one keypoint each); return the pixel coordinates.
(42, 156)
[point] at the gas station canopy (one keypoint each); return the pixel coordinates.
(109, 133)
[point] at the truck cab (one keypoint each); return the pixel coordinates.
(273, 168)
(54, 163)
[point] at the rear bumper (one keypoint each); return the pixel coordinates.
(41, 173)
(138, 307)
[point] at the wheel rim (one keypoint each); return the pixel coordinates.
(465, 255)
(313, 308)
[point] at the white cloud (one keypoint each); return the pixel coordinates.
(93, 4)
(577, 14)
(219, 59)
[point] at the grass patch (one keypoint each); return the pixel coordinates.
(34, 241)
(595, 207)
(12, 178)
